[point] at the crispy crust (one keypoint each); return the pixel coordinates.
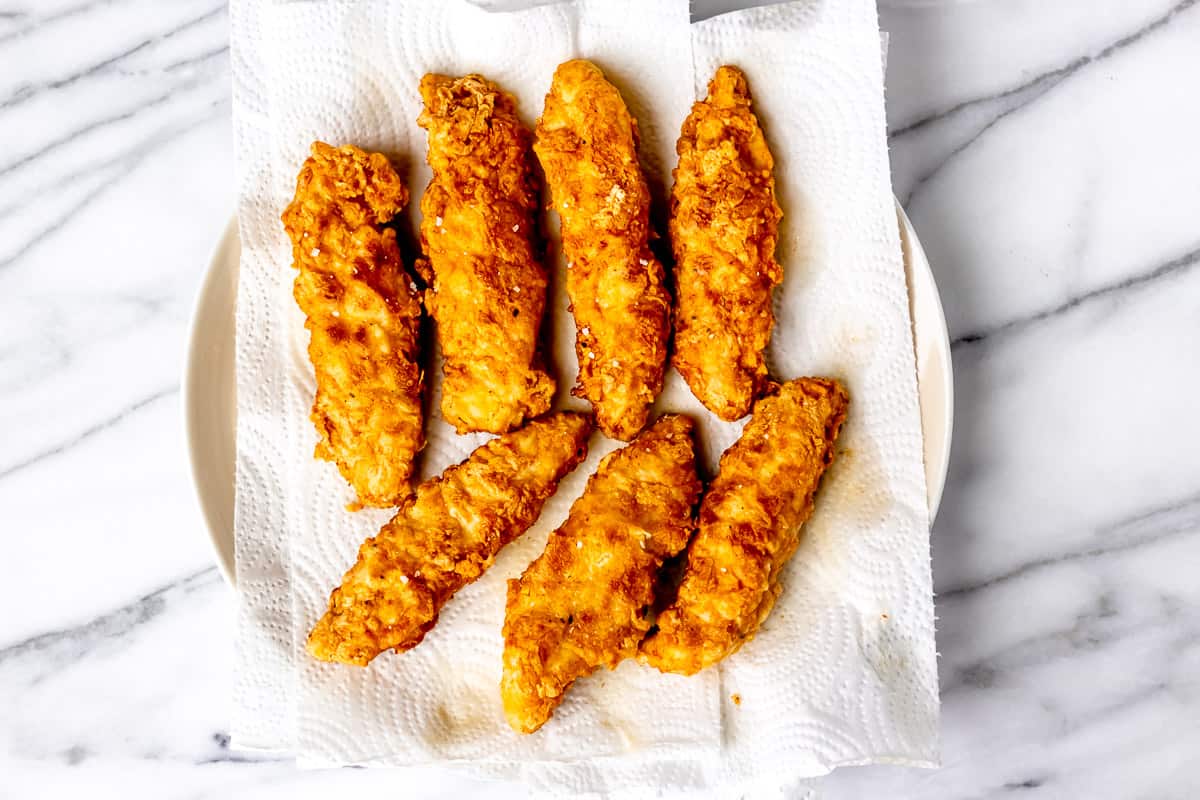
(363, 314)
(587, 144)
(724, 224)
(487, 286)
(445, 538)
(584, 603)
(749, 526)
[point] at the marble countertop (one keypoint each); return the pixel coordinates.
(1047, 155)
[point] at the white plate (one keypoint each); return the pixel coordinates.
(210, 408)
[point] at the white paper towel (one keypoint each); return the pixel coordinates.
(263, 716)
(843, 671)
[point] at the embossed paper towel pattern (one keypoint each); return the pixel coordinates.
(267, 433)
(843, 671)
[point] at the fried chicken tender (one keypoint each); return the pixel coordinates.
(445, 538)
(724, 222)
(487, 284)
(587, 144)
(363, 315)
(584, 603)
(749, 526)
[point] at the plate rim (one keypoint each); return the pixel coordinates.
(225, 256)
(922, 283)
(225, 262)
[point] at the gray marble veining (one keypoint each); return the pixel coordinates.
(1047, 154)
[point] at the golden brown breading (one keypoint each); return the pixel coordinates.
(487, 286)
(445, 538)
(363, 314)
(587, 145)
(585, 602)
(749, 526)
(724, 224)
